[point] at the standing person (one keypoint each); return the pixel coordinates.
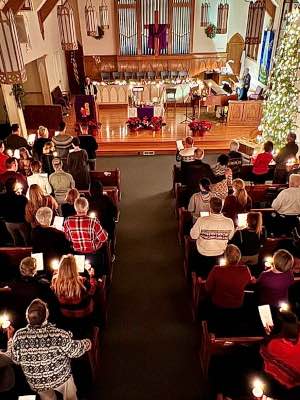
(15, 140)
(89, 144)
(12, 166)
(12, 210)
(186, 155)
(44, 353)
(38, 178)
(77, 162)
(272, 286)
(47, 158)
(40, 141)
(238, 202)
(62, 142)
(89, 88)
(235, 158)
(246, 79)
(221, 169)
(260, 168)
(38, 199)
(24, 162)
(3, 157)
(199, 201)
(290, 150)
(212, 234)
(60, 181)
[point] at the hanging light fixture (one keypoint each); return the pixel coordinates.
(91, 19)
(66, 24)
(12, 68)
(103, 14)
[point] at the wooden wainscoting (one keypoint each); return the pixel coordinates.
(244, 113)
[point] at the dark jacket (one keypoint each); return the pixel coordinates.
(14, 141)
(290, 150)
(16, 175)
(37, 148)
(89, 144)
(106, 211)
(197, 170)
(12, 207)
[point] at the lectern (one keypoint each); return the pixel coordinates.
(85, 109)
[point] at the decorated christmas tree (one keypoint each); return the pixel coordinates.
(281, 107)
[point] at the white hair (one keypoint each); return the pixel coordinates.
(44, 216)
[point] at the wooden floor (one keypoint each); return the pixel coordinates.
(115, 139)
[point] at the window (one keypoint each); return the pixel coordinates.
(256, 15)
(204, 21)
(223, 10)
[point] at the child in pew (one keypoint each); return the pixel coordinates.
(275, 360)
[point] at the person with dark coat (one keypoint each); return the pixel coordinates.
(77, 162)
(290, 150)
(15, 140)
(40, 141)
(47, 239)
(12, 166)
(89, 144)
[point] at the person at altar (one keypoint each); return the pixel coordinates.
(89, 88)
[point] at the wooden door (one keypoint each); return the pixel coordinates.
(235, 48)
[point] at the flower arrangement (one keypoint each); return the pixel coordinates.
(133, 123)
(154, 123)
(200, 127)
(211, 31)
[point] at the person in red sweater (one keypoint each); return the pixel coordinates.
(260, 170)
(3, 157)
(225, 284)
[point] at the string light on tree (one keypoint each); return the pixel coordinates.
(281, 107)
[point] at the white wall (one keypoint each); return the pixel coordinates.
(105, 46)
(55, 58)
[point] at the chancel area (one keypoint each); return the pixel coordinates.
(149, 200)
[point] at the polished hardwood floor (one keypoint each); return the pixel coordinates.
(115, 139)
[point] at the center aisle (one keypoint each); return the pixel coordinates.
(150, 346)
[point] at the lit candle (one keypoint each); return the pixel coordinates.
(268, 262)
(4, 321)
(92, 215)
(55, 264)
(55, 153)
(257, 390)
(222, 261)
(284, 306)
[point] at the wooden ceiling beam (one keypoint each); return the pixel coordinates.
(14, 5)
(44, 12)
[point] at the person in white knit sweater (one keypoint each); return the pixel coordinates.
(212, 234)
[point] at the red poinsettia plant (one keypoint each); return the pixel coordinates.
(133, 123)
(198, 125)
(156, 123)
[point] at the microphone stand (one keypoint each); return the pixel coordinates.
(187, 117)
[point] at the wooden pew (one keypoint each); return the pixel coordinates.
(263, 193)
(182, 197)
(108, 178)
(176, 175)
(185, 223)
(10, 258)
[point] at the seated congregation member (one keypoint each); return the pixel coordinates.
(287, 207)
(195, 170)
(77, 162)
(67, 208)
(38, 199)
(40, 141)
(104, 207)
(221, 169)
(290, 150)
(12, 210)
(74, 294)
(186, 155)
(260, 170)
(249, 239)
(199, 201)
(273, 284)
(12, 166)
(89, 144)
(27, 287)
(47, 158)
(3, 157)
(62, 142)
(15, 140)
(212, 234)
(235, 158)
(44, 353)
(275, 360)
(60, 181)
(225, 286)
(48, 240)
(86, 234)
(238, 202)
(24, 162)
(38, 178)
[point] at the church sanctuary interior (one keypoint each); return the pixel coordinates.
(149, 200)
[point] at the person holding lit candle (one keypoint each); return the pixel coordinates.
(289, 151)
(273, 284)
(238, 202)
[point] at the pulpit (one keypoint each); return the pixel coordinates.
(85, 109)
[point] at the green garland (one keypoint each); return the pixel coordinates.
(281, 107)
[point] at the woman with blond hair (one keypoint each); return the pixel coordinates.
(24, 162)
(42, 138)
(38, 199)
(74, 294)
(67, 208)
(47, 157)
(238, 202)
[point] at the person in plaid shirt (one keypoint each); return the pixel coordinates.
(85, 233)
